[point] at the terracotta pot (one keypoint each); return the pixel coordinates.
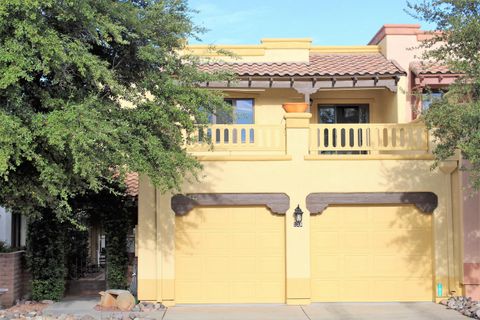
(295, 107)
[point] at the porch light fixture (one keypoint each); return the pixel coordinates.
(297, 214)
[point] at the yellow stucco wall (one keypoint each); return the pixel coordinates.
(297, 177)
(383, 104)
(274, 50)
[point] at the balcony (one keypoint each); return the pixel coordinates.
(239, 138)
(368, 139)
(323, 141)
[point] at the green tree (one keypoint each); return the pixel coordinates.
(455, 119)
(91, 89)
(66, 70)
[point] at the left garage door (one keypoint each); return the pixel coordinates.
(230, 255)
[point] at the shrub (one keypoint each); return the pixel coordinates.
(116, 226)
(4, 248)
(50, 289)
(46, 256)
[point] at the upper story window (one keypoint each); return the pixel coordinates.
(240, 113)
(430, 96)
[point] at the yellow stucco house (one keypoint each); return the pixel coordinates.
(338, 203)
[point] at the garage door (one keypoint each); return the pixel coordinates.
(230, 255)
(371, 253)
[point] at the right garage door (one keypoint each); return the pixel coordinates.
(371, 253)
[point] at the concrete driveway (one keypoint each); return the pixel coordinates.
(316, 311)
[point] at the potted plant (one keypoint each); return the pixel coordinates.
(295, 107)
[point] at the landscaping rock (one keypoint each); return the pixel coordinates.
(107, 300)
(136, 308)
(464, 305)
(125, 301)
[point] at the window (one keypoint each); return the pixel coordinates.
(430, 96)
(241, 113)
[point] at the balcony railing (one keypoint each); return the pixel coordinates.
(325, 139)
(368, 138)
(238, 137)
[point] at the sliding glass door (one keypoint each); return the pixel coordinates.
(343, 114)
(333, 114)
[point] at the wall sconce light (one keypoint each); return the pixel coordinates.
(297, 214)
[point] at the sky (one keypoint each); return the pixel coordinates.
(327, 22)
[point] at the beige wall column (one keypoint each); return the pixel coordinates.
(445, 233)
(165, 250)
(297, 238)
(147, 245)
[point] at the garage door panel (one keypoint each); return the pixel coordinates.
(241, 219)
(189, 289)
(325, 289)
(188, 242)
(240, 258)
(216, 268)
(270, 292)
(270, 267)
(356, 265)
(264, 242)
(354, 289)
(324, 241)
(326, 264)
(242, 291)
(243, 265)
(383, 258)
(243, 242)
(354, 216)
(185, 264)
(216, 291)
(355, 241)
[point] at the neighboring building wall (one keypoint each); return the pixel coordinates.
(470, 202)
(13, 276)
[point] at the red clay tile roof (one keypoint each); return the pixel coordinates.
(319, 65)
(422, 67)
(131, 180)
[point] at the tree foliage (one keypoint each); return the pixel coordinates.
(455, 119)
(67, 69)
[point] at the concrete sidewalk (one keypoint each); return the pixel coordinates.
(316, 311)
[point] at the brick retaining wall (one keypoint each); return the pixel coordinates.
(13, 276)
